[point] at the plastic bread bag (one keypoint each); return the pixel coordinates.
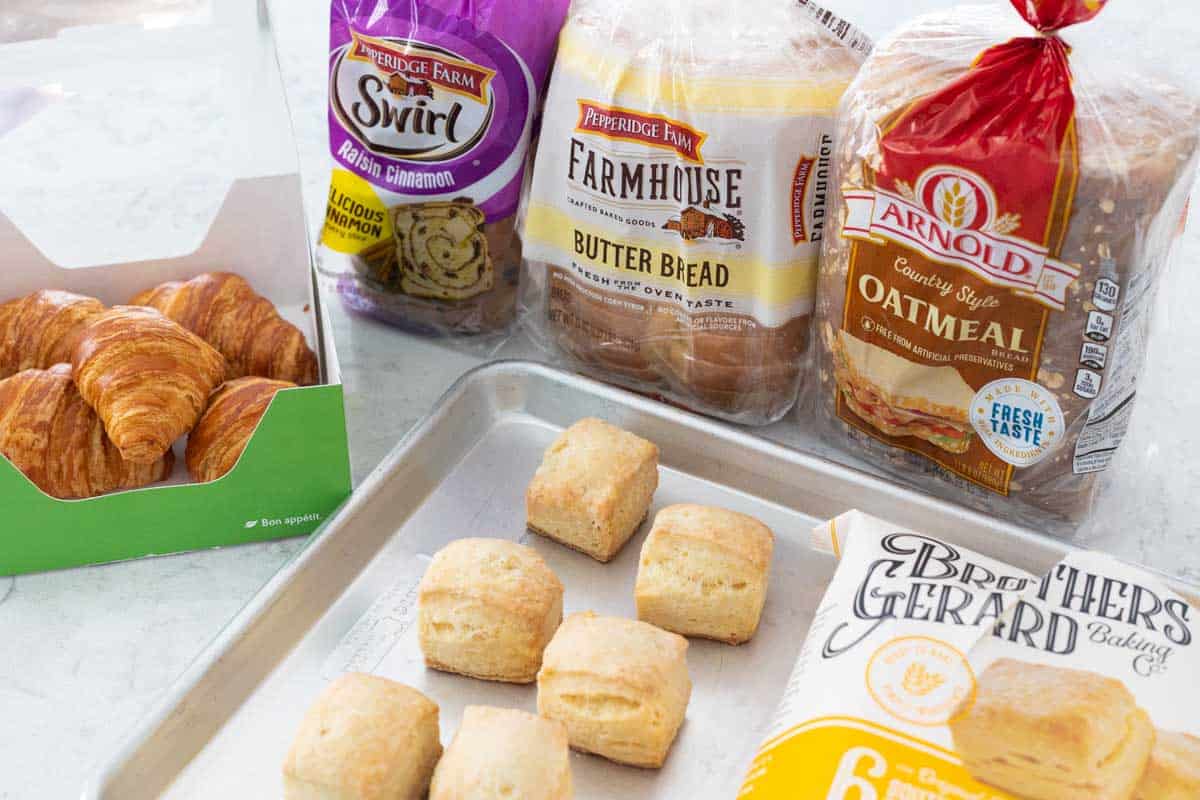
(1007, 204)
(432, 107)
(931, 671)
(680, 193)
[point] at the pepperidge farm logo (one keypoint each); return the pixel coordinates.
(952, 216)
(411, 100)
(285, 522)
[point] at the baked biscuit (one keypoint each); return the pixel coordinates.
(620, 686)
(703, 572)
(366, 738)
(504, 754)
(593, 488)
(1174, 769)
(1048, 733)
(488, 607)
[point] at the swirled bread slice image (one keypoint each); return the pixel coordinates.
(1050, 733)
(443, 250)
(901, 397)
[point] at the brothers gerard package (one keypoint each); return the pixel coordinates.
(934, 672)
(1007, 204)
(431, 110)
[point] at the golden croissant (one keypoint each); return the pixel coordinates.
(222, 309)
(147, 377)
(49, 433)
(234, 411)
(36, 330)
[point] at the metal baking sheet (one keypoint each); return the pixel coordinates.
(347, 601)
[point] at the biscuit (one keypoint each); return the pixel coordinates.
(593, 488)
(620, 686)
(488, 607)
(1174, 769)
(1049, 733)
(366, 738)
(703, 572)
(504, 754)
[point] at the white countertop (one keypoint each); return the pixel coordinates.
(88, 651)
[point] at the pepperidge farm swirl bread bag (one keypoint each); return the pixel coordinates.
(432, 107)
(1006, 206)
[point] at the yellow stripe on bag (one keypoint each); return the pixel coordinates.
(610, 68)
(650, 262)
(355, 217)
(849, 759)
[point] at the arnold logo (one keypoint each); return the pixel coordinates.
(655, 130)
(411, 100)
(952, 217)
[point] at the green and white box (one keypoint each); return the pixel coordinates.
(143, 142)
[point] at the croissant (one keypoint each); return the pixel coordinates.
(36, 330)
(49, 433)
(222, 309)
(147, 377)
(234, 411)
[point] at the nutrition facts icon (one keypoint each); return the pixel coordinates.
(1106, 294)
(1087, 384)
(1093, 355)
(1099, 326)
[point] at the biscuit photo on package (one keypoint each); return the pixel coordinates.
(1050, 733)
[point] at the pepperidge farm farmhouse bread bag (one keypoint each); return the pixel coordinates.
(934, 673)
(680, 195)
(1007, 204)
(431, 110)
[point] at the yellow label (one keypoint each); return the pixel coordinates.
(355, 217)
(849, 759)
(664, 270)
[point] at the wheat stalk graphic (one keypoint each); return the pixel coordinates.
(954, 205)
(1007, 223)
(920, 681)
(906, 190)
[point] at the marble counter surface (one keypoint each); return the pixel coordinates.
(87, 652)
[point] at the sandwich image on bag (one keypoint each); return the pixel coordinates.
(901, 397)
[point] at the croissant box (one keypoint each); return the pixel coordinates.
(140, 147)
(931, 671)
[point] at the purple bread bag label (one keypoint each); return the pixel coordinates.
(431, 110)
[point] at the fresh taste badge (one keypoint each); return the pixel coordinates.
(1018, 420)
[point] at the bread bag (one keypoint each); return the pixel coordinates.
(1006, 205)
(432, 107)
(680, 194)
(934, 672)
